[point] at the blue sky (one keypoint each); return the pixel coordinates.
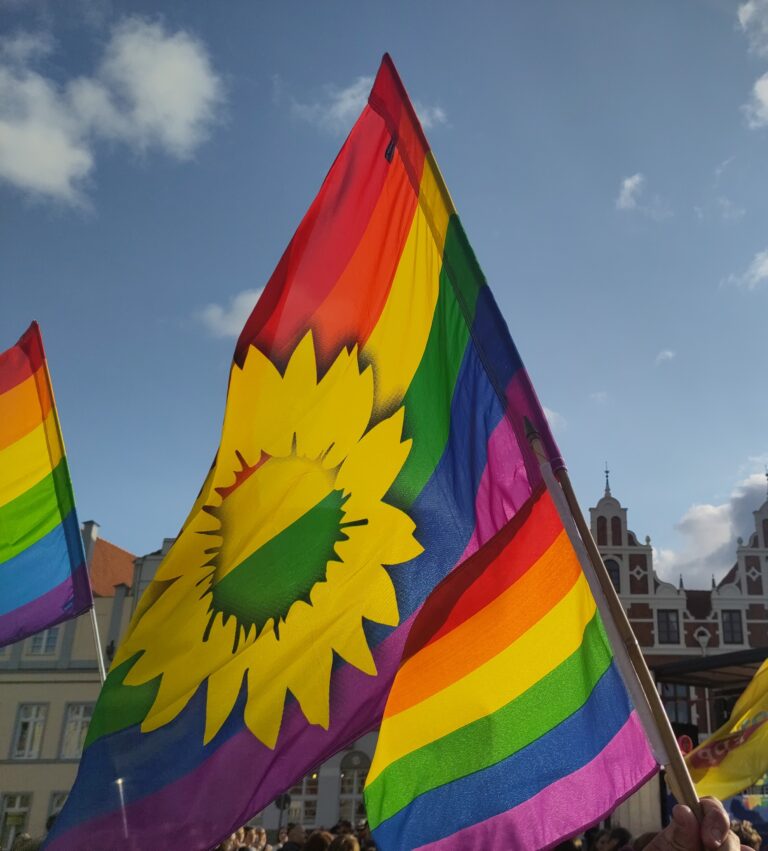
(608, 161)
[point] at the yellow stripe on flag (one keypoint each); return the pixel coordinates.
(397, 343)
(24, 463)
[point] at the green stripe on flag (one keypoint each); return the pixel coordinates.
(33, 514)
(428, 399)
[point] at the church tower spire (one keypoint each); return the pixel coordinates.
(608, 482)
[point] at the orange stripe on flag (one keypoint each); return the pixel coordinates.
(351, 310)
(491, 630)
(24, 407)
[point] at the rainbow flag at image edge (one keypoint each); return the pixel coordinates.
(379, 273)
(43, 578)
(508, 724)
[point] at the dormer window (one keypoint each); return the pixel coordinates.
(733, 632)
(668, 621)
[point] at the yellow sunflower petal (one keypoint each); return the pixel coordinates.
(372, 465)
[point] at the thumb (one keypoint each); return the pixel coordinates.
(681, 834)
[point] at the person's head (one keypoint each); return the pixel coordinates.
(282, 834)
(747, 834)
(568, 845)
(613, 840)
(344, 842)
(250, 836)
(297, 834)
(239, 835)
(319, 840)
(344, 827)
(260, 838)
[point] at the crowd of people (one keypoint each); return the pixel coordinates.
(295, 837)
(343, 837)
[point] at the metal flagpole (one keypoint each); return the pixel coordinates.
(97, 642)
(629, 657)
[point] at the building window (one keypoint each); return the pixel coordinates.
(44, 643)
(76, 723)
(303, 807)
(354, 770)
(669, 626)
(58, 799)
(676, 702)
(602, 531)
(732, 629)
(14, 816)
(614, 571)
(616, 532)
(29, 731)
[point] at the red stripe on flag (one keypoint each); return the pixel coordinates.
(484, 575)
(21, 361)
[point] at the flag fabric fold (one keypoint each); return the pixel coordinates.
(735, 757)
(43, 578)
(508, 724)
(373, 440)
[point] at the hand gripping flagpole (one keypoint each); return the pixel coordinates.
(629, 657)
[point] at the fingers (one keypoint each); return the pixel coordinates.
(715, 826)
(682, 834)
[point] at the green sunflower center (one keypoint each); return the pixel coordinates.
(284, 569)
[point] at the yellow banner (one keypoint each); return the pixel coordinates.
(736, 756)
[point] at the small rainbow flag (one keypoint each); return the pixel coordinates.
(43, 578)
(508, 724)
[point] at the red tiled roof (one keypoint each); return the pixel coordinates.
(110, 566)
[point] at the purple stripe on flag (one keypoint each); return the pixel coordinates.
(177, 814)
(66, 600)
(568, 806)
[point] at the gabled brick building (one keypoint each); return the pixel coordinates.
(673, 622)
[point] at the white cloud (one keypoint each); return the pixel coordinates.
(557, 422)
(722, 167)
(755, 276)
(729, 212)
(632, 191)
(430, 116)
(151, 89)
(336, 109)
(665, 355)
(753, 20)
(710, 533)
(757, 108)
(228, 321)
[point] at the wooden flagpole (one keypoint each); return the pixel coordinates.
(677, 775)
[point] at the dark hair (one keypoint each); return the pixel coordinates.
(344, 842)
(621, 835)
(319, 840)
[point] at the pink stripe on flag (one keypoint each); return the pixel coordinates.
(507, 480)
(568, 806)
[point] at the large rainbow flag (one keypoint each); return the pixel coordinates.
(508, 724)
(43, 578)
(373, 440)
